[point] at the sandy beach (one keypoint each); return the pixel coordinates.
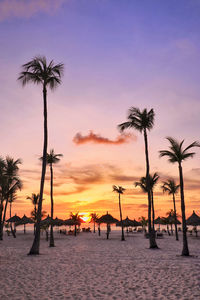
(91, 267)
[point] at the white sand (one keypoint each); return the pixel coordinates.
(91, 267)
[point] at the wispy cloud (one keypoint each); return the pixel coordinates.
(27, 8)
(80, 139)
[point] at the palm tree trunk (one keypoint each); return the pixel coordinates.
(153, 212)
(51, 244)
(171, 228)
(94, 227)
(120, 211)
(175, 217)
(36, 242)
(4, 217)
(152, 239)
(1, 222)
(185, 251)
(107, 233)
(35, 218)
(75, 231)
(12, 231)
(99, 229)
(11, 216)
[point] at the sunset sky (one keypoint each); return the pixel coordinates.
(117, 54)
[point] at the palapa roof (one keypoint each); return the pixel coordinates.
(25, 220)
(108, 219)
(128, 223)
(193, 220)
(14, 219)
(158, 220)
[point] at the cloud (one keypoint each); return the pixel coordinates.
(75, 190)
(27, 8)
(80, 139)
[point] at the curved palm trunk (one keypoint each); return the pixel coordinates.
(175, 217)
(185, 251)
(153, 212)
(152, 240)
(120, 211)
(51, 244)
(36, 242)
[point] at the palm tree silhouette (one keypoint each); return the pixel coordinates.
(171, 188)
(52, 158)
(143, 222)
(10, 183)
(34, 199)
(94, 218)
(76, 219)
(177, 154)
(37, 71)
(143, 121)
(142, 184)
(120, 190)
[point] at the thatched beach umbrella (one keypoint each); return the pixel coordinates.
(25, 220)
(107, 219)
(193, 220)
(46, 221)
(158, 221)
(14, 219)
(129, 223)
(58, 222)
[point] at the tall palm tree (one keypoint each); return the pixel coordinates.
(177, 154)
(34, 199)
(143, 121)
(143, 185)
(120, 190)
(52, 158)
(10, 183)
(94, 218)
(171, 188)
(37, 71)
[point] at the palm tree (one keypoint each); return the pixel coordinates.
(52, 158)
(144, 222)
(37, 71)
(120, 190)
(143, 185)
(177, 154)
(76, 219)
(10, 183)
(171, 188)
(94, 218)
(34, 199)
(143, 121)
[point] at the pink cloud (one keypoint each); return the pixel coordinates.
(27, 8)
(80, 139)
